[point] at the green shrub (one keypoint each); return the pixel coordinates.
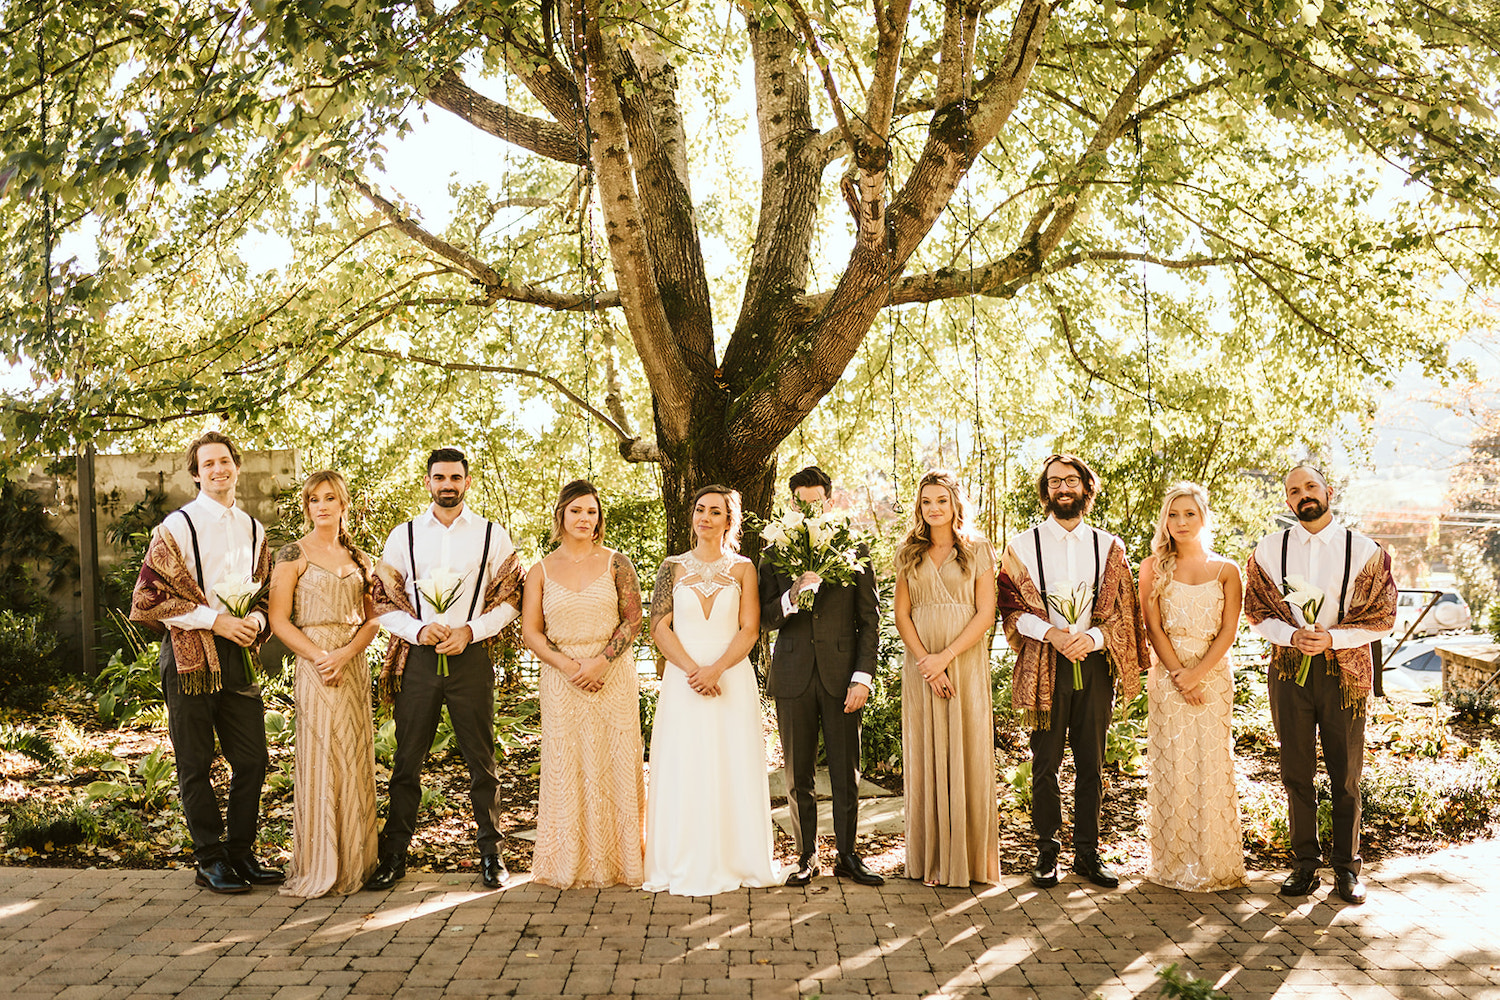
(29, 743)
(880, 725)
(131, 681)
(27, 667)
(1473, 706)
(1180, 985)
(1125, 739)
(44, 826)
(650, 691)
(150, 785)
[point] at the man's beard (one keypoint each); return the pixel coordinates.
(1311, 509)
(1066, 508)
(448, 499)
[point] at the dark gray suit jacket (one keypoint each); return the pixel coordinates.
(838, 635)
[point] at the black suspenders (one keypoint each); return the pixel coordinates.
(1286, 540)
(1041, 572)
(198, 556)
(484, 565)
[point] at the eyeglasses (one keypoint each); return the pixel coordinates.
(1071, 481)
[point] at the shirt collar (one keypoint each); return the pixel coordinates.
(210, 508)
(1058, 533)
(1304, 537)
(429, 519)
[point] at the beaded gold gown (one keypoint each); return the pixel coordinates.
(1193, 812)
(333, 797)
(592, 807)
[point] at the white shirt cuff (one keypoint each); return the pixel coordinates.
(1275, 631)
(1098, 638)
(788, 604)
(860, 677)
(1033, 627)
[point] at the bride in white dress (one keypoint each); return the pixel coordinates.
(708, 808)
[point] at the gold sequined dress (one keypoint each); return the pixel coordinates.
(333, 797)
(1193, 811)
(592, 806)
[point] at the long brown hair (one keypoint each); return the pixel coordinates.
(918, 540)
(341, 491)
(576, 490)
(732, 508)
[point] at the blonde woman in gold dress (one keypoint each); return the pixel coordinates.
(1190, 598)
(320, 608)
(580, 614)
(945, 610)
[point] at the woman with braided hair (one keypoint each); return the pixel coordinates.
(321, 608)
(1190, 599)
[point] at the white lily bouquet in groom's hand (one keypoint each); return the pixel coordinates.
(1309, 600)
(239, 596)
(1071, 600)
(802, 540)
(440, 590)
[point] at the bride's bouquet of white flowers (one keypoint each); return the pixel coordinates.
(802, 540)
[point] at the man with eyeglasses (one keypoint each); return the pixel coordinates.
(1068, 605)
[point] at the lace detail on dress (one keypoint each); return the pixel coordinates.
(707, 578)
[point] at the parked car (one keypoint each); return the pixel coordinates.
(1450, 613)
(1416, 665)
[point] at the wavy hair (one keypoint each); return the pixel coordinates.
(1162, 544)
(735, 510)
(340, 490)
(576, 490)
(918, 540)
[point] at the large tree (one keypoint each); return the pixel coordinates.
(1047, 154)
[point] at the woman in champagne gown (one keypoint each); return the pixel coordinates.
(945, 610)
(581, 613)
(320, 608)
(1190, 598)
(708, 814)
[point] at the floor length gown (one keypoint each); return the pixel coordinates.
(333, 797)
(593, 792)
(1193, 811)
(708, 814)
(952, 822)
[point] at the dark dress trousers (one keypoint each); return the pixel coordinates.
(817, 651)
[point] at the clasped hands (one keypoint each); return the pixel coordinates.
(1074, 645)
(330, 665)
(588, 673)
(450, 641)
(240, 631)
(704, 680)
(934, 667)
(1313, 640)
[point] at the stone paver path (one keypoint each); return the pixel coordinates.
(1431, 929)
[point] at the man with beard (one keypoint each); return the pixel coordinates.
(1358, 607)
(436, 656)
(1068, 604)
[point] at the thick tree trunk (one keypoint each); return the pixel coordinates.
(704, 459)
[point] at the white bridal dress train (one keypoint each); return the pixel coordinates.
(708, 807)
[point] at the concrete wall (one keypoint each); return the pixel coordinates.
(121, 481)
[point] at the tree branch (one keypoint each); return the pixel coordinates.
(542, 137)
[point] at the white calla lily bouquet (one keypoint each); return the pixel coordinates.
(1307, 599)
(440, 590)
(1071, 600)
(239, 596)
(803, 540)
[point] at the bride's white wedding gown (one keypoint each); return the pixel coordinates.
(708, 808)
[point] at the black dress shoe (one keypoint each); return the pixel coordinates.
(1350, 889)
(1091, 868)
(1301, 882)
(252, 871)
(390, 871)
(1044, 874)
(493, 871)
(217, 876)
(852, 866)
(807, 869)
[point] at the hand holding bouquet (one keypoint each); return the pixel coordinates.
(239, 596)
(1071, 600)
(802, 540)
(1309, 600)
(441, 591)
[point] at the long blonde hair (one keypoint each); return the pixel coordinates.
(340, 490)
(919, 536)
(1162, 544)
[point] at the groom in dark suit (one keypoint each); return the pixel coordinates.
(820, 674)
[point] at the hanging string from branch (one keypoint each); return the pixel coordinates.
(1145, 237)
(587, 278)
(41, 73)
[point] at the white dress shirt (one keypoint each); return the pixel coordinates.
(457, 547)
(1068, 558)
(224, 536)
(1319, 559)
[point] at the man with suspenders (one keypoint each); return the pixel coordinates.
(1107, 640)
(448, 537)
(208, 542)
(1359, 608)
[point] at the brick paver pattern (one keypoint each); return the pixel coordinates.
(1430, 929)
